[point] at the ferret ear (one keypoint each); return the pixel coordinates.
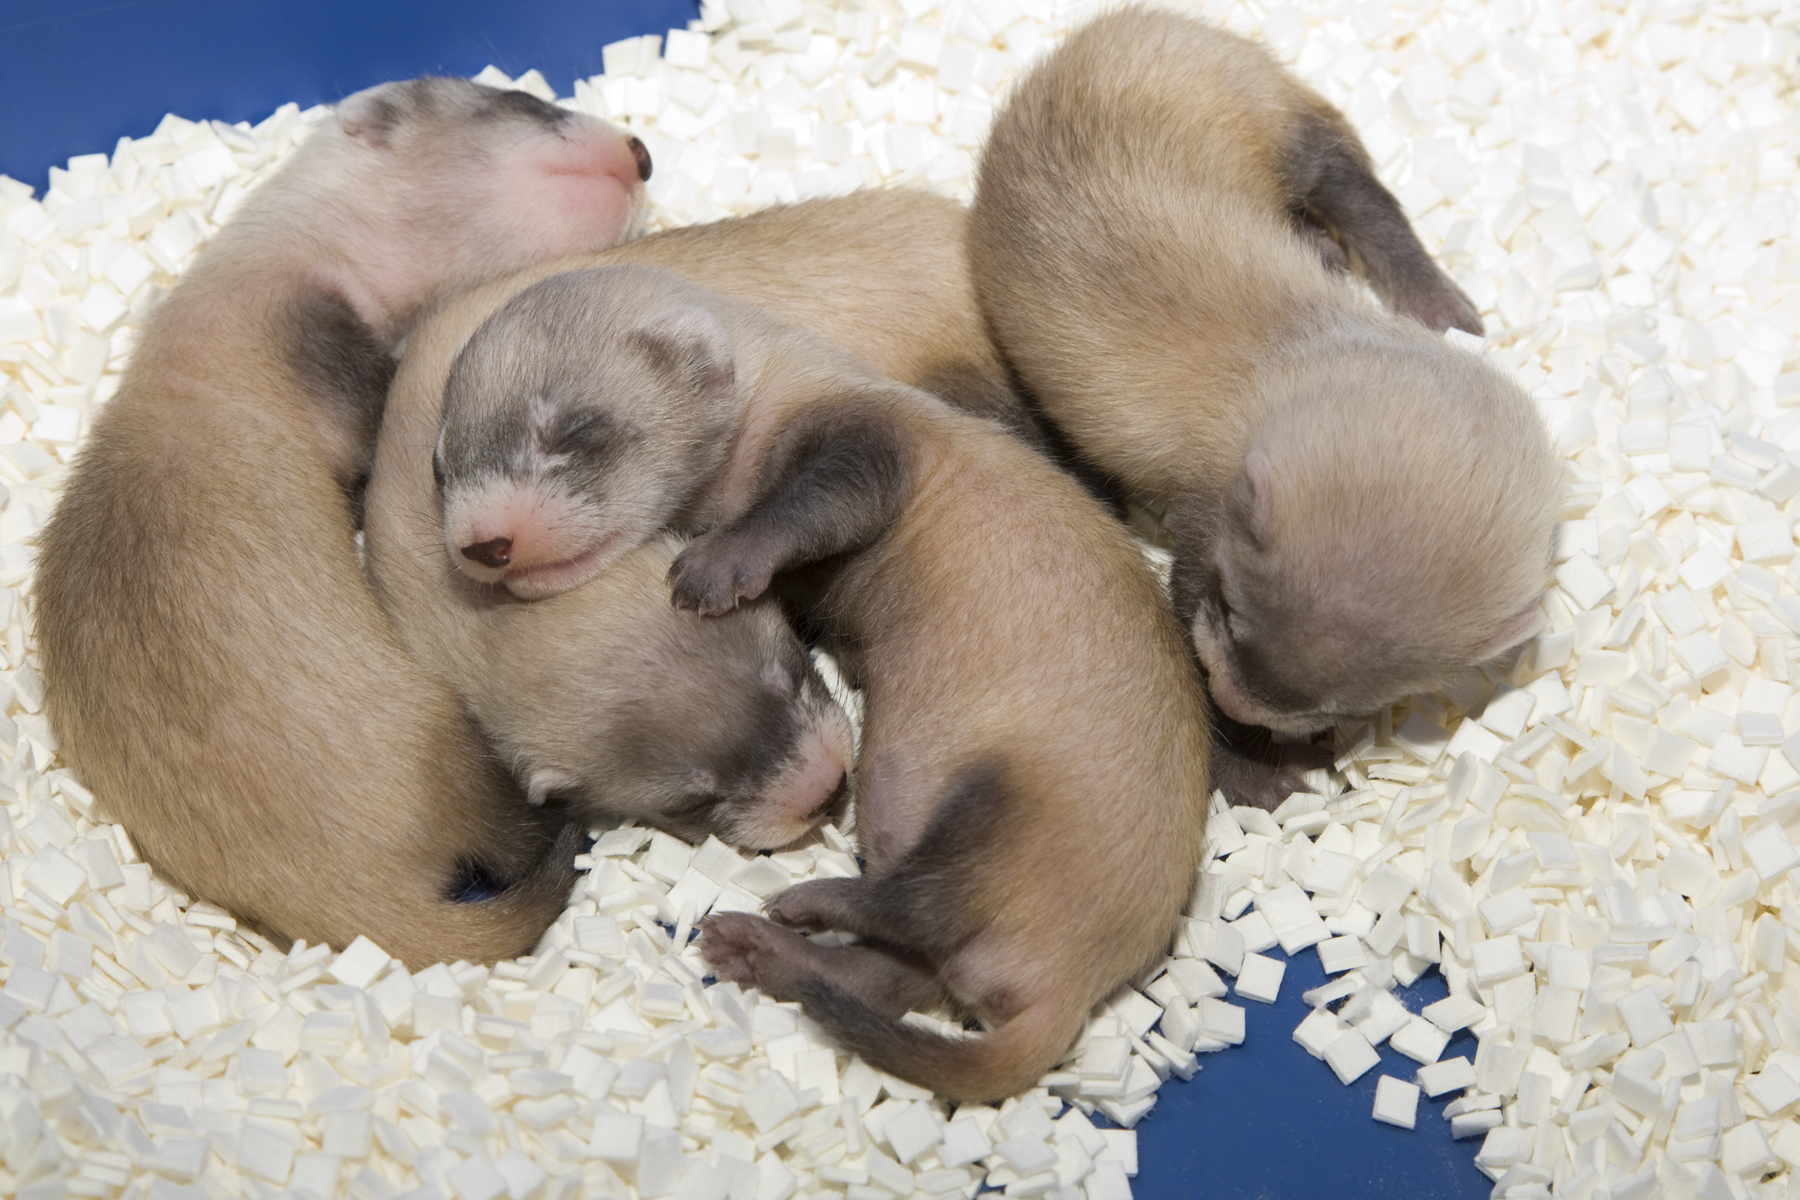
(775, 677)
(700, 781)
(544, 784)
(1517, 628)
(369, 116)
(1256, 498)
(689, 341)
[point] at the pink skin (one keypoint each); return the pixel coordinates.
(546, 195)
(577, 191)
(554, 543)
(800, 799)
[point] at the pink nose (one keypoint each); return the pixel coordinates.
(496, 553)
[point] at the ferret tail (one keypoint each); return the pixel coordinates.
(974, 1068)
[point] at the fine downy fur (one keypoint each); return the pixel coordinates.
(1033, 734)
(1359, 511)
(1007, 782)
(218, 671)
(604, 696)
(880, 272)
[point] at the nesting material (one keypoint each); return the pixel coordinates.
(1595, 841)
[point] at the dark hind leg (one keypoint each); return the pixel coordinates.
(1332, 182)
(749, 950)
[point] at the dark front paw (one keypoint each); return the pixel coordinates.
(714, 574)
(1441, 306)
(817, 904)
(1266, 776)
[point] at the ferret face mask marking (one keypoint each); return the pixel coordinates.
(760, 762)
(550, 470)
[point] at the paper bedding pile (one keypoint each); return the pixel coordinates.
(1596, 843)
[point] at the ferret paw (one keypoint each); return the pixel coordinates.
(730, 942)
(816, 904)
(752, 952)
(1266, 779)
(1441, 307)
(712, 576)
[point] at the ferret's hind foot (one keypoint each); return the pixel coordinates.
(750, 951)
(819, 904)
(730, 942)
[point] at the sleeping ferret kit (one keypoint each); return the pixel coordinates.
(1593, 841)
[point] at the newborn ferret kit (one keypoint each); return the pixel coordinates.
(1582, 815)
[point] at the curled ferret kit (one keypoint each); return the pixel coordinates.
(827, 615)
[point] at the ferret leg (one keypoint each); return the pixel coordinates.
(835, 480)
(751, 951)
(1332, 180)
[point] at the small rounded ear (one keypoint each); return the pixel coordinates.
(776, 678)
(1517, 628)
(544, 784)
(1256, 497)
(369, 116)
(689, 342)
(700, 781)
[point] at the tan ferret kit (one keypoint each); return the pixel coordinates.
(455, 574)
(974, 804)
(1358, 510)
(216, 669)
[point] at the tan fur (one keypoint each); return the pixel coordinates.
(1061, 764)
(218, 671)
(882, 272)
(605, 694)
(1006, 618)
(1359, 510)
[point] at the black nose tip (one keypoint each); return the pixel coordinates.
(641, 152)
(496, 553)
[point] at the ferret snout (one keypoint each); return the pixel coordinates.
(821, 777)
(641, 152)
(495, 552)
(536, 540)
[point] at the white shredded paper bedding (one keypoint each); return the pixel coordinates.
(1595, 842)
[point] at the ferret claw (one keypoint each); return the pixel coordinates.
(712, 581)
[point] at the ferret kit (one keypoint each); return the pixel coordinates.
(475, 486)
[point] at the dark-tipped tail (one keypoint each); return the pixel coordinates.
(977, 1067)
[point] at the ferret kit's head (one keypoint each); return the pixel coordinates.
(446, 181)
(695, 724)
(582, 417)
(1375, 544)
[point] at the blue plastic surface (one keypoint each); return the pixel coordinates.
(1267, 1121)
(1263, 1119)
(76, 77)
